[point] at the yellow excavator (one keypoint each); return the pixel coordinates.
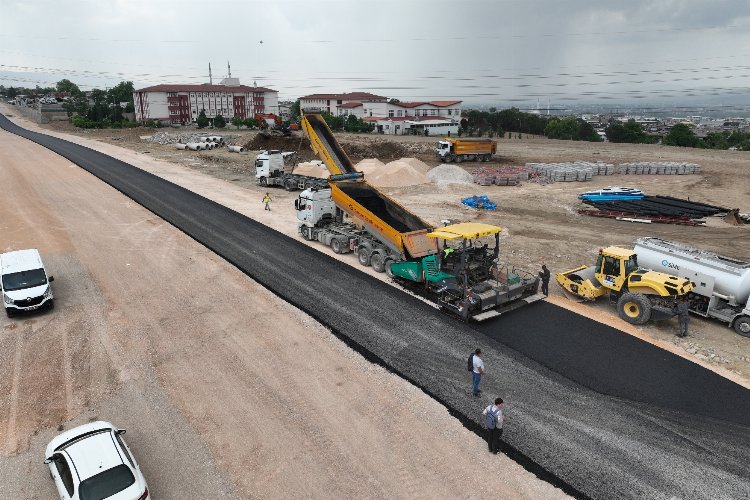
(639, 294)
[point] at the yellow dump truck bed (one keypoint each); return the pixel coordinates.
(395, 226)
(473, 146)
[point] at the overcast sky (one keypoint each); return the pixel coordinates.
(506, 52)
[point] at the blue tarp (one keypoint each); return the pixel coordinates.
(480, 202)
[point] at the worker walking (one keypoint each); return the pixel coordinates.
(267, 201)
(494, 418)
(477, 371)
(544, 274)
(683, 316)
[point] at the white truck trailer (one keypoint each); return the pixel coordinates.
(270, 171)
(721, 284)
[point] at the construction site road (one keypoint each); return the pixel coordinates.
(592, 444)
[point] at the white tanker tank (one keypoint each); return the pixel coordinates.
(721, 284)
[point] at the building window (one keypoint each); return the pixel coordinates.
(399, 113)
(390, 112)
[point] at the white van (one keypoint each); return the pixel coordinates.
(24, 282)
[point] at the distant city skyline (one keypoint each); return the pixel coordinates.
(496, 52)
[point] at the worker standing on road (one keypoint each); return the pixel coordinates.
(683, 316)
(544, 274)
(267, 201)
(494, 421)
(477, 372)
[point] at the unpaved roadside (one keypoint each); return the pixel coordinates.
(153, 330)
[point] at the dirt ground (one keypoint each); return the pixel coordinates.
(542, 222)
(204, 367)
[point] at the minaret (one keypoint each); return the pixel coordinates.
(229, 70)
(210, 78)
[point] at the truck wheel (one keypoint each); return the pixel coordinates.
(363, 255)
(337, 245)
(306, 233)
(263, 181)
(742, 326)
(290, 185)
(459, 159)
(449, 159)
(635, 308)
(388, 270)
(377, 261)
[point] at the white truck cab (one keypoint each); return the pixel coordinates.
(269, 165)
(443, 148)
(24, 282)
(314, 205)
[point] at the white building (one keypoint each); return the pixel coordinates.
(181, 104)
(438, 117)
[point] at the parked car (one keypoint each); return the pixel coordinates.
(92, 462)
(24, 282)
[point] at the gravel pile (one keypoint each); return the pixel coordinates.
(450, 174)
(660, 168)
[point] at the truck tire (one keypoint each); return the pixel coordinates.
(449, 158)
(377, 261)
(290, 185)
(635, 308)
(363, 255)
(263, 181)
(387, 265)
(337, 245)
(742, 326)
(459, 159)
(306, 233)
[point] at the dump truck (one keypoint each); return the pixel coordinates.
(465, 278)
(458, 150)
(721, 285)
(349, 215)
(640, 295)
(270, 170)
(382, 231)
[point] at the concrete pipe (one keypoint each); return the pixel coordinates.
(236, 149)
(180, 146)
(206, 145)
(194, 146)
(204, 139)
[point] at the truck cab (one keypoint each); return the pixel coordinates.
(443, 148)
(269, 165)
(24, 282)
(313, 207)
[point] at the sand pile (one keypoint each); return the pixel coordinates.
(313, 168)
(369, 166)
(450, 174)
(398, 173)
(417, 164)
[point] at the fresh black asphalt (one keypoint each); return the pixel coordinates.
(592, 410)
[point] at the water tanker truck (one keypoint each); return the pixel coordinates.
(458, 150)
(721, 285)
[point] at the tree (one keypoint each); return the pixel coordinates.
(69, 87)
(202, 120)
(681, 135)
(76, 105)
(219, 121)
(237, 122)
(294, 111)
(571, 129)
(251, 123)
(122, 92)
(393, 101)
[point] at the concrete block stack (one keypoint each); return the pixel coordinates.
(580, 171)
(659, 168)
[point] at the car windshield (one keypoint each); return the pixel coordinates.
(107, 483)
(24, 279)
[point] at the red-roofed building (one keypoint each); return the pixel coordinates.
(331, 102)
(181, 104)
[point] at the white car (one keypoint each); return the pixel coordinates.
(92, 462)
(24, 282)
